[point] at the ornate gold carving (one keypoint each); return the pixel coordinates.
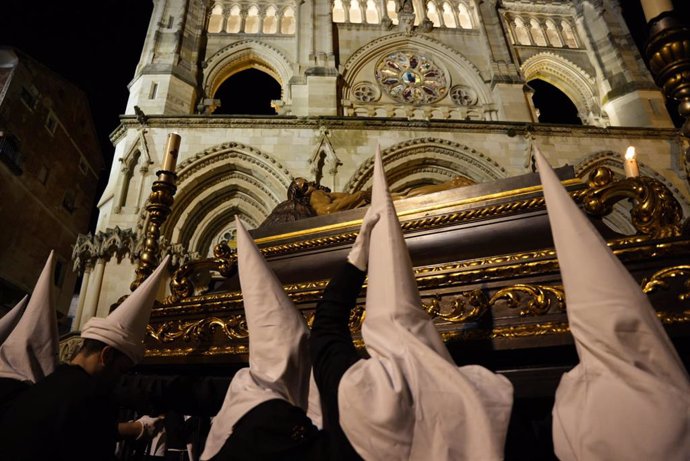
(225, 263)
(460, 308)
(668, 51)
(659, 280)
(159, 206)
(531, 299)
(655, 211)
(234, 327)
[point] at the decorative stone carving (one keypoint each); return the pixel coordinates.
(411, 78)
(463, 95)
(366, 92)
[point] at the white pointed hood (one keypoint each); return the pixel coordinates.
(629, 396)
(418, 404)
(30, 352)
(9, 320)
(125, 327)
(279, 364)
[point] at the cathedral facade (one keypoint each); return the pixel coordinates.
(444, 87)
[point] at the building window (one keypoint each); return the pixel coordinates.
(355, 12)
(552, 34)
(153, 91)
(464, 16)
(270, 21)
(51, 123)
(432, 14)
(42, 175)
(69, 201)
(448, 17)
(215, 22)
(234, 20)
(287, 22)
(392, 8)
(83, 166)
(28, 98)
(10, 154)
(251, 25)
(338, 11)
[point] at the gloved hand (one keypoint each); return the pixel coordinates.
(359, 253)
(150, 425)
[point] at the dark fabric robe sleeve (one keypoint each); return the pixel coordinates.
(333, 352)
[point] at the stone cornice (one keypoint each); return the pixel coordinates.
(129, 122)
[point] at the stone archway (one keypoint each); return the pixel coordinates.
(215, 185)
(427, 160)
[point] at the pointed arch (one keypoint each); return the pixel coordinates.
(434, 160)
(229, 176)
(246, 54)
(565, 75)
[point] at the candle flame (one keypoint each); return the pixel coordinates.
(630, 153)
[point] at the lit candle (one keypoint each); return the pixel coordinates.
(653, 8)
(630, 164)
(171, 150)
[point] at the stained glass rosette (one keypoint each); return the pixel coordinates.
(411, 78)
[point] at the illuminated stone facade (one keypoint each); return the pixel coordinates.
(459, 106)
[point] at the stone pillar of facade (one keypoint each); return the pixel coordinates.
(76, 324)
(93, 292)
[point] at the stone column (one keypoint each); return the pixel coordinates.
(93, 292)
(76, 323)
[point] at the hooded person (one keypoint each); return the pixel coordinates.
(73, 409)
(629, 397)
(29, 349)
(408, 400)
(9, 320)
(264, 415)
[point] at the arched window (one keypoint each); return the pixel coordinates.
(251, 25)
(464, 16)
(287, 22)
(372, 13)
(338, 11)
(536, 32)
(392, 9)
(568, 35)
(215, 22)
(552, 34)
(521, 33)
(553, 106)
(234, 20)
(248, 92)
(355, 12)
(128, 182)
(270, 21)
(448, 16)
(432, 14)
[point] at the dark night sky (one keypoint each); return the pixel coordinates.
(96, 45)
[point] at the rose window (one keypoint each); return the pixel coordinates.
(411, 78)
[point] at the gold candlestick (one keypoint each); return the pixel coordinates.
(158, 208)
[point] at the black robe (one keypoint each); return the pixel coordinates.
(332, 352)
(274, 430)
(10, 389)
(70, 415)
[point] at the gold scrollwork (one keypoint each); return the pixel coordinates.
(660, 280)
(531, 299)
(224, 262)
(234, 327)
(655, 212)
(464, 307)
